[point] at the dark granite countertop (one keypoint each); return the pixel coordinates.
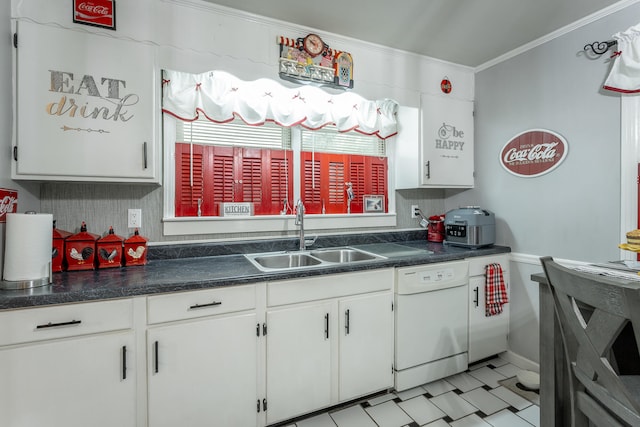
(174, 268)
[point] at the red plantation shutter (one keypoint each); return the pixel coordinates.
(280, 186)
(251, 181)
(336, 202)
(358, 179)
(221, 170)
(228, 174)
(324, 180)
(311, 182)
(189, 179)
(266, 179)
(377, 181)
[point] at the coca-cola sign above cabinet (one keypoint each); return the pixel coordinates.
(533, 153)
(99, 13)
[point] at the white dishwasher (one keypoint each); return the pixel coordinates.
(431, 322)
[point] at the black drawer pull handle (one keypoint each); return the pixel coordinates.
(144, 154)
(346, 323)
(155, 345)
(211, 304)
(55, 325)
(476, 299)
(124, 362)
(326, 326)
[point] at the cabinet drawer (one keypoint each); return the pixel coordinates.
(189, 305)
(328, 286)
(477, 264)
(36, 324)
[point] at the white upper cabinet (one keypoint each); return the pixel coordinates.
(434, 148)
(86, 107)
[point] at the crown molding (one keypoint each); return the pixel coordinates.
(558, 33)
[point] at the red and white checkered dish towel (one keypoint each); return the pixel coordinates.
(495, 291)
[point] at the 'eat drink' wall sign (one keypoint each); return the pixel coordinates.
(82, 95)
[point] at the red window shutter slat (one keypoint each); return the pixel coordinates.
(337, 188)
(280, 187)
(357, 177)
(312, 182)
(223, 176)
(189, 179)
(378, 178)
(378, 181)
(252, 180)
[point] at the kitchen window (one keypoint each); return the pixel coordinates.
(232, 162)
(239, 145)
(235, 162)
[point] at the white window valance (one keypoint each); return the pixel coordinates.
(221, 97)
(624, 76)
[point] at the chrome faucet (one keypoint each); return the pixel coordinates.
(300, 221)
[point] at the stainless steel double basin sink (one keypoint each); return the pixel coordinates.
(279, 261)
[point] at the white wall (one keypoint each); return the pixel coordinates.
(572, 212)
(197, 36)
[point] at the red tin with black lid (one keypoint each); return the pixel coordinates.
(109, 250)
(80, 250)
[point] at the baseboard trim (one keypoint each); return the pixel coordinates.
(520, 361)
(535, 260)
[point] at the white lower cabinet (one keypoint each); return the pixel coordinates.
(203, 373)
(366, 345)
(72, 366)
(329, 340)
(202, 369)
(487, 334)
(298, 360)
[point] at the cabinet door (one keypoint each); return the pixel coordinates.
(203, 373)
(487, 335)
(366, 345)
(87, 107)
(76, 382)
(298, 360)
(447, 142)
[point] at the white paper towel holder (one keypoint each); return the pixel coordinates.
(11, 285)
(28, 284)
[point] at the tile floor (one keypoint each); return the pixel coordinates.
(469, 399)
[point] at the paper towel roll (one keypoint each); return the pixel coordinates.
(27, 251)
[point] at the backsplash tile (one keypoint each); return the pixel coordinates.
(105, 205)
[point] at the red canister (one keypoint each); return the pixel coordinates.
(80, 250)
(110, 250)
(57, 249)
(135, 250)
(435, 229)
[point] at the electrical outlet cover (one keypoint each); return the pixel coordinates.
(134, 218)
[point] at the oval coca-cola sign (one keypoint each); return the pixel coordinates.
(533, 153)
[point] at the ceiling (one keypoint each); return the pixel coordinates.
(467, 32)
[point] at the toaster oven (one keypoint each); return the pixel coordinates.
(470, 226)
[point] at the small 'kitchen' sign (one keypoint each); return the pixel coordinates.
(533, 153)
(236, 209)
